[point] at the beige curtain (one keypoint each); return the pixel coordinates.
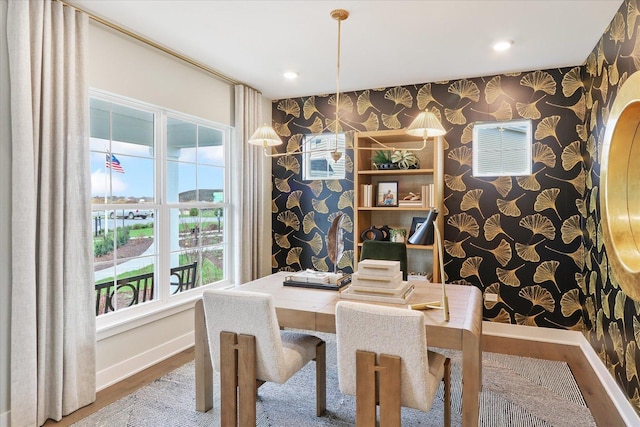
(251, 186)
(53, 336)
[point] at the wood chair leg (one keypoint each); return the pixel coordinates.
(321, 378)
(228, 379)
(447, 392)
(389, 390)
(247, 385)
(365, 389)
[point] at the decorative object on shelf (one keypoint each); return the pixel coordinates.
(382, 160)
(425, 125)
(387, 194)
(386, 233)
(405, 159)
(335, 241)
(371, 233)
(421, 232)
(398, 235)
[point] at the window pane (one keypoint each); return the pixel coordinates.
(210, 148)
(502, 148)
(317, 158)
(212, 226)
(181, 139)
(212, 264)
(181, 182)
(211, 184)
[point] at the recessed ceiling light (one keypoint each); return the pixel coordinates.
(291, 75)
(502, 45)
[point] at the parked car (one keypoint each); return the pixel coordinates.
(131, 213)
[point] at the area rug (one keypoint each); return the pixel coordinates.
(516, 391)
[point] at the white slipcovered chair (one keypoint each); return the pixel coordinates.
(389, 342)
(248, 348)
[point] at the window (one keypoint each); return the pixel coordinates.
(159, 202)
(502, 148)
(317, 160)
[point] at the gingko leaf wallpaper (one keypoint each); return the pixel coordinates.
(535, 241)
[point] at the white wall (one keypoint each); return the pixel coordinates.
(5, 221)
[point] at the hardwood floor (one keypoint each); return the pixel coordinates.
(602, 408)
(123, 388)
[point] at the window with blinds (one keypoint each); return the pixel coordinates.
(502, 148)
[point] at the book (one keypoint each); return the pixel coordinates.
(402, 299)
(376, 290)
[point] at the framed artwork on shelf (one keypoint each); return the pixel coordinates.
(387, 194)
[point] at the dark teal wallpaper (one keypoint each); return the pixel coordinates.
(536, 241)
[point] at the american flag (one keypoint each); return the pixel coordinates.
(114, 163)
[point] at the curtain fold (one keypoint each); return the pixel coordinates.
(53, 336)
(251, 185)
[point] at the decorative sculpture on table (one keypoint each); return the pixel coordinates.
(335, 241)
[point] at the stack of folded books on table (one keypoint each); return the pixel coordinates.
(378, 280)
(317, 279)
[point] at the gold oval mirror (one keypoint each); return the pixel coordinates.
(620, 187)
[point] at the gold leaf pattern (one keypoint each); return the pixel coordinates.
(455, 248)
(346, 103)
(570, 302)
(547, 127)
(294, 143)
(494, 288)
(319, 264)
(465, 89)
(528, 252)
(320, 205)
(334, 185)
(282, 240)
(290, 107)
(364, 102)
(577, 256)
(424, 97)
(503, 185)
(632, 15)
(492, 228)
(400, 96)
(289, 219)
(282, 129)
(309, 222)
(502, 252)
(529, 182)
(493, 90)
(293, 256)
(579, 108)
(527, 320)
(315, 243)
(462, 155)
(347, 224)
(578, 182)
(539, 224)
(538, 296)
(616, 32)
(542, 153)
(456, 116)
(509, 277)
(529, 110)
(290, 164)
(546, 271)
(347, 260)
(571, 82)
(283, 184)
(471, 200)
(465, 223)
(502, 317)
(455, 182)
(294, 200)
(316, 186)
(547, 200)
(467, 134)
(346, 200)
(618, 307)
(391, 120)
(372, 123)
(539, 81)
(509, 207)
(571, 155)
(309, 108)
(471, 267)
(504, 112)
(616, 340)
(571, 229)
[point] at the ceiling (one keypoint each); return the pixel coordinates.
(383, 43)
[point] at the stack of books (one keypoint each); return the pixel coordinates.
(378, 280)
(367, 195)
(317, 279)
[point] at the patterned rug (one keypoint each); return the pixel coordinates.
(517, 391)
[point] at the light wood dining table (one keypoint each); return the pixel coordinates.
(314, 309)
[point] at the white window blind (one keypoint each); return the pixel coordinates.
(502, 148)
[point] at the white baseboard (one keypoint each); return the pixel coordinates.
(565, 337)
(4, 419)
(142, 361)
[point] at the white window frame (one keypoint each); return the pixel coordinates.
(164, 304)
(499, 168)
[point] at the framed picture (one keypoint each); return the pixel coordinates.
(387, 193)
(418, 235)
